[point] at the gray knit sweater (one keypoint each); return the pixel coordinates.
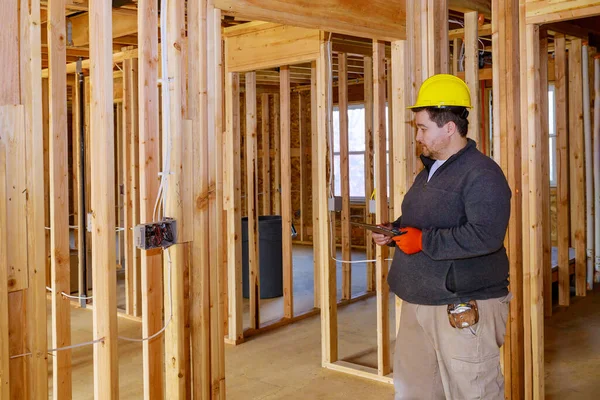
(463, 212)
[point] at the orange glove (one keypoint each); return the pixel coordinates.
(410, 242)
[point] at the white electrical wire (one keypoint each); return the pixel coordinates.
(73, 346)
(76, 227)
(69, 296)
(163, 188)
(20, 355)
(332, 247)
(121, 337)
(482, 44)
(170, 308)
(166, 116)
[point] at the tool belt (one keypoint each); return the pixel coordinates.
(463, 315)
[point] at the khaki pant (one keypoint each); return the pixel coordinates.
(433, 360)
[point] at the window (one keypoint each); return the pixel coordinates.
(356, 152)
(552, 133)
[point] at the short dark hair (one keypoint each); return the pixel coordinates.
(442, 115)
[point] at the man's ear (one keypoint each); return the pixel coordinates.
(450, 128)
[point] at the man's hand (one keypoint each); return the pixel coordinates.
(381, 239)
(411, 240)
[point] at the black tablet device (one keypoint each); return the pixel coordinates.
(380, 229)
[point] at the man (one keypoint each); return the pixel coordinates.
(451, 267)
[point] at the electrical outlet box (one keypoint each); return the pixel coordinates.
(161, 234)
(372, 207)
(335, 203)
(88, 224)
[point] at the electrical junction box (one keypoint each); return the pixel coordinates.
(335, 203)
(372, 207)
(161, 234)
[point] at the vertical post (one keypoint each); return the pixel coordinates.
(152, 295)
(251, 201)
(344, 175)
(498, 68)
(390, 141)
(200, 272)
(305, 144)
(534, 226)
(576, 147)
(12, 43)
(562, 168)
(456, 47)
(302, 160)
(589, 182)
(437, 36)
(276, 190)
(545, 162)
(597, 166)
(266, 154)
(31, 90)
(233, 205)
(472, 74)
(46, 177)
(505, 28)
(59, 200)
(314, 138)
(370, 219)
(79, 184)
(106, 369)
(128, 175)
(286, 192)
(215, 205)
(329, 334)
(119, 203)
(403, 156)
(172, 141)
(4, 348)
(383, 328)
(134, 181)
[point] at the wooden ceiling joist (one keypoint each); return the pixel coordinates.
(124, 23)
(481, 6)
(269, 45)
(545, 11)
(484, 30)
(379, 19)
(569, 29)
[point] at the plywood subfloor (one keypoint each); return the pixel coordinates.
(286, 363)
(572, 342)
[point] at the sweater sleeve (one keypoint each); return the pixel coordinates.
(487, 209)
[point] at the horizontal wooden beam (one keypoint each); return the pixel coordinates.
(545, 11)
(74, 5)
(268, 45)
(568, 29)
(484, 74)
(85, 64)
(377, 19)
(484, 30)
(124, 23)
(129, 40)
(352, 45)
(83, 52)
(481, 6)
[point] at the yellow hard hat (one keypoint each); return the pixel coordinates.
(443, 90)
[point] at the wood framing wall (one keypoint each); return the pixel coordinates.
(274, 159)
(24, 340)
